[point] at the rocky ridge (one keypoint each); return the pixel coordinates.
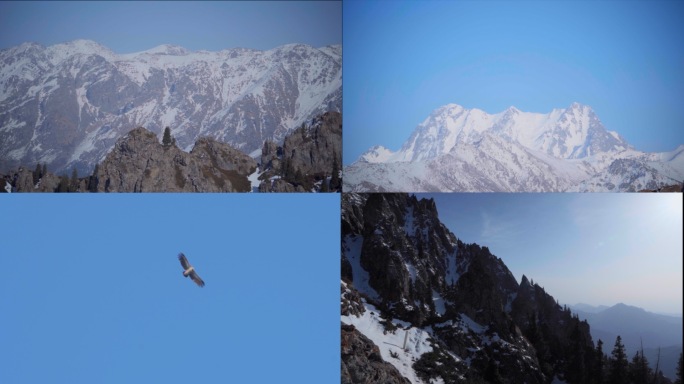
(463, 313)
(140, 163)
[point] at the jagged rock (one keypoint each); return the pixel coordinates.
(270, 156)
(279, 185)
(362, 362)
(313, 150)
(351, 301)
(309, 157)
(139, 163)
(22, 181)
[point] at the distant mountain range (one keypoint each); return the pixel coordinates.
(636, 327)
(67, 104)
(567, 149)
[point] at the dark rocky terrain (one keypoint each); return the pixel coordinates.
(400, 260)
(309, 158)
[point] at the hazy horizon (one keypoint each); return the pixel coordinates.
(404, 59)
(597, 249)
(128, 27)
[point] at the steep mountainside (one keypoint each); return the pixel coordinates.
(67, 104)
(440, 309)
(456, 149)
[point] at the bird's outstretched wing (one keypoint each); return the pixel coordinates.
(184, 261)
(195, 277)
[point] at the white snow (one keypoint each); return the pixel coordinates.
(467, 323)
(440, 307)
(8, 187)
(392, 343)
(254, 180)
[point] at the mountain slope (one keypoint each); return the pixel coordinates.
(456, 149)
(440, 309)
(67, 104)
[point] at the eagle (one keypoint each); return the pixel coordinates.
(189, 270)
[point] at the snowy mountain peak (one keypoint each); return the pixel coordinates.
(575, 132)
(167, 49)
(377, 154)
(567, 149)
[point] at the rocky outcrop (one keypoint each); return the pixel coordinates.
(139, 163)
(22, 180)
(362, 362)
(314, 149)
(309, 157)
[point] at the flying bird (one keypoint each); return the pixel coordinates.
(189, 270)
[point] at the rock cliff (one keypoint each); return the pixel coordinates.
(140, 163)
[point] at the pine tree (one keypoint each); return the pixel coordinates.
(167, 140)
(639, 371)
(678, 378)
(73, 185)
(335, 179)
(44, 170)
(576, 372)
(36, 174)
(618, 364)
(324, 184)
(93, 180)
(599, 363)
(63, 185)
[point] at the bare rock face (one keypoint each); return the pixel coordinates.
(22, 180)
(139, 163)
(362, 362)
(313, 150)
(270, 155)
(279, 185)
(309, 157)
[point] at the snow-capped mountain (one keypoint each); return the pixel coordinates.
(66, 104)
(458, 149)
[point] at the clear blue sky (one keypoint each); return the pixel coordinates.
(582, 248)
(92, 291)
(403, 59)
(129, 26)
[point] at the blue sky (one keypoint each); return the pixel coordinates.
(599, 249)
(403, 59)
(127, 27)
(93, 290)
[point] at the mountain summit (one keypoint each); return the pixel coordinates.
(459, 149)
(67, 104)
